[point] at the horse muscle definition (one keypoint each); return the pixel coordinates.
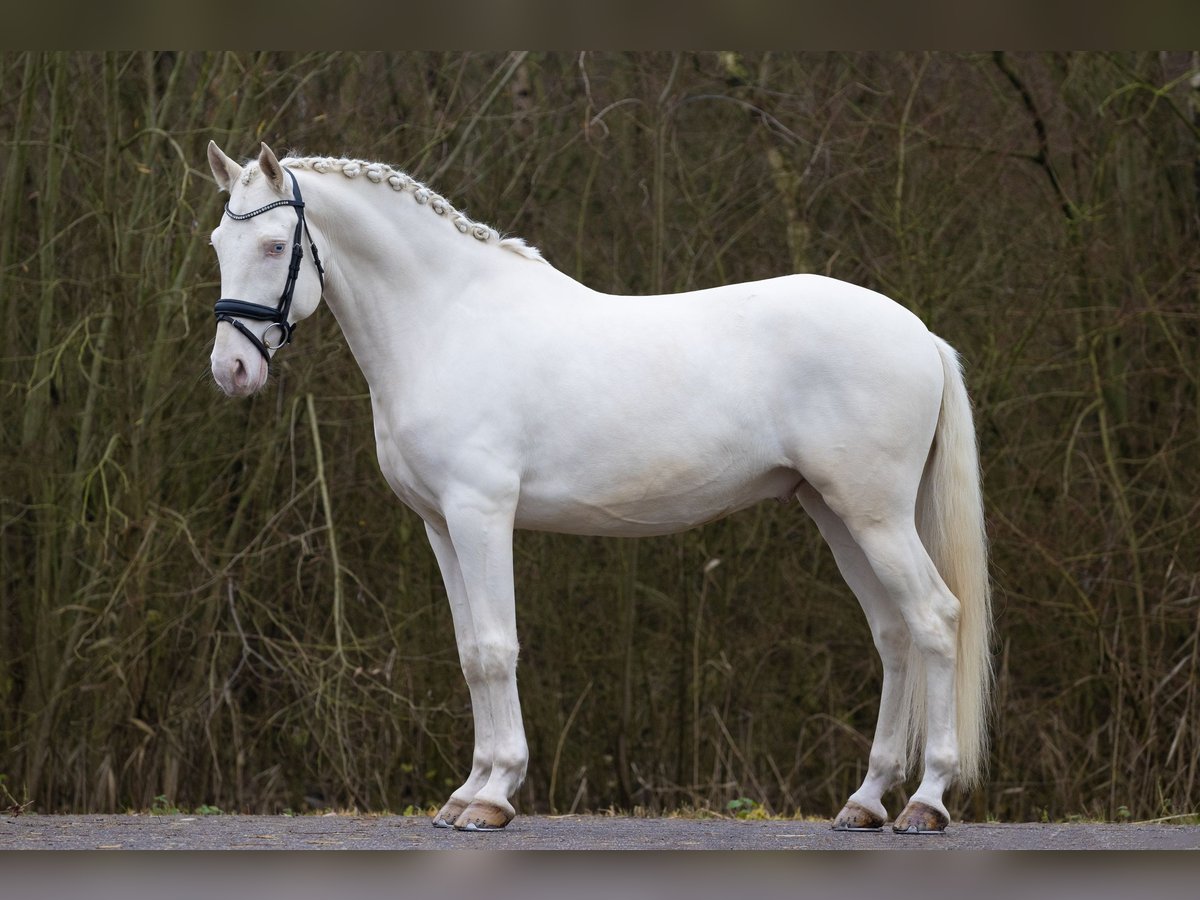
(507, 395)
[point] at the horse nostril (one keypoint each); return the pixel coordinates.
(241, 375)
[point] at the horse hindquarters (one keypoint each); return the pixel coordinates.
(952, 709)
(927, 570)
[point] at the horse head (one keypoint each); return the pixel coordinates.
(259, 245)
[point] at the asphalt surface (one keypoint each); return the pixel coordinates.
(349, 832)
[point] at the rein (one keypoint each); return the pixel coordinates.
(229, 310)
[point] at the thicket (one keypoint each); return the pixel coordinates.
(219, 603)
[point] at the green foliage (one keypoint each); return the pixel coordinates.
(163, 807)
(168, 624)
(745, 808)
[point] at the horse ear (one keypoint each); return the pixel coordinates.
(224, 169)
(270, 167)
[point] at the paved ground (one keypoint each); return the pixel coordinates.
(146, 832)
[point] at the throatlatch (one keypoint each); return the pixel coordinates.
(229, 310)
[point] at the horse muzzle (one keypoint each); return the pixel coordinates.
(238, 368)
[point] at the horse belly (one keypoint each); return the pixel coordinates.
(648, 501)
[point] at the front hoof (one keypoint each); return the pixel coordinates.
(919, 818)
(854, 817)
(447, 814)
(483, 816)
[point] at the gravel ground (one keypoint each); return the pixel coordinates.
(347, 832)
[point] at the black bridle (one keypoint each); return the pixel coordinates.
(226, 309)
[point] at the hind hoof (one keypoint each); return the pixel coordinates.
(919, 818)
(854, 817)
(483, 816)
(447, 814)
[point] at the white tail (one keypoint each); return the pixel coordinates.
(950, 523)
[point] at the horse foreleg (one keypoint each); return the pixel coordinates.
(864, 810)
(468, 655)
(481, 531)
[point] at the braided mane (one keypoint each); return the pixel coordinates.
(378, 173)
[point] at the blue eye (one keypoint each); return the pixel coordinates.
(277, 248)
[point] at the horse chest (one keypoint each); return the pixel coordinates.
(400, 458)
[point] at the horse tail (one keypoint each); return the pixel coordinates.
(950, 524)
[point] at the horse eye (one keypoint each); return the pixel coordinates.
(277, 248)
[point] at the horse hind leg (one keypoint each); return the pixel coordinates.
(911, 580)
(864, 810)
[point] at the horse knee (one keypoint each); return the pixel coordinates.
(468, 660)
(497, 657)
(488, 660)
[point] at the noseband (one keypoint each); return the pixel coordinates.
(226, 309)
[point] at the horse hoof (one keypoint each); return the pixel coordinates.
(447, 814)
(918, 818)
(854, 817)
(482, 816)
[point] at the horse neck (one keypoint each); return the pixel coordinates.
(394, 266)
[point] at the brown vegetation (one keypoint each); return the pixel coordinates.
(220, 603)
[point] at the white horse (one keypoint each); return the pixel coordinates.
(507, 395)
